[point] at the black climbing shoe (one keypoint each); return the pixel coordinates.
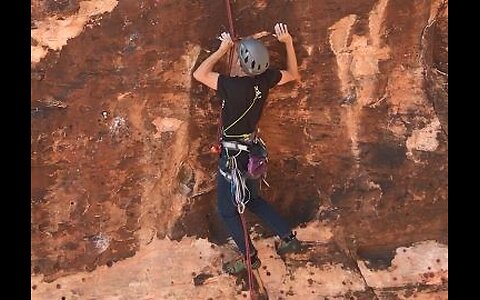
(239, 264)
(289, 244)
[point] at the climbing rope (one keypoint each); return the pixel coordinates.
(232, 33)
(248, 259)
(240, 204)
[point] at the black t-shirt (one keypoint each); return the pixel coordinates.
(238, 94)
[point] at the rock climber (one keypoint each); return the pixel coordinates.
(243, 98)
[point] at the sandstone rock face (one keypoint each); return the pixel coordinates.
(123, 180)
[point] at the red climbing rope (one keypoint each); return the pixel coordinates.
(230, 19)
(242, 218)
(232, 33)
(248, 258)
(216, 148)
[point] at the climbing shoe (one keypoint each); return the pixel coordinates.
(239, 264)
(290, 244)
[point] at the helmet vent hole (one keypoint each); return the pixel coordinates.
(266, 65)
(253, 64)
(245, 60)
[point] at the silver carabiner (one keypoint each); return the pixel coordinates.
(241, 207)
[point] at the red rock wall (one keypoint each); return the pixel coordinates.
(121, 132)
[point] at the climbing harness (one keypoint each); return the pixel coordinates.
(238, 186)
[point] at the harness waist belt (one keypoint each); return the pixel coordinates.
(234, 146)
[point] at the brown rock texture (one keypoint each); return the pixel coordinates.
(123, 180)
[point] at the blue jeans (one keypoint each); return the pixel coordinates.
(257, 205)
